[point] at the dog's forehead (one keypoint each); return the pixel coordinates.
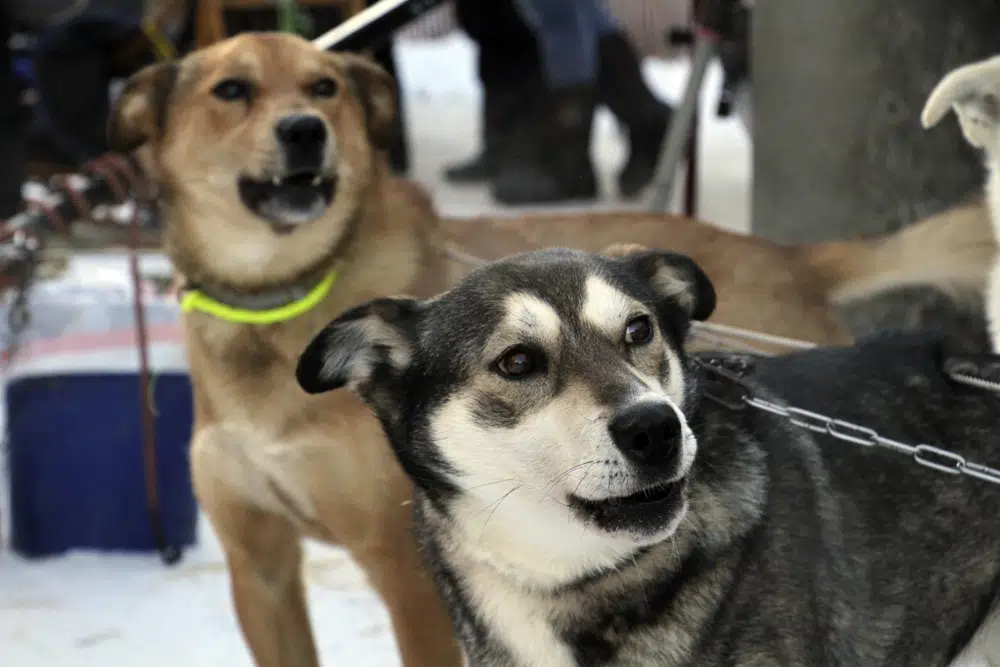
(537, 293)
(272, 56)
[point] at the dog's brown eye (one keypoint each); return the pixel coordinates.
(231, 90)
(638, 331)
(518, 362)
(323, 88)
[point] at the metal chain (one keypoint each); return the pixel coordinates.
(928, 456)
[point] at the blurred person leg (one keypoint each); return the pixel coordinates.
(567, 32)
(12, 135)
(622, 88)
(510, 72)
(74, 68)
(399, 152)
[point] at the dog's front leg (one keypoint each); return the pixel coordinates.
(263, 552)
(269, 596)
(420, 622)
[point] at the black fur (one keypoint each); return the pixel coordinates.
(799, 549)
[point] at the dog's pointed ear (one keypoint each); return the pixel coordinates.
(973, 92)
(367, 345)
(377, 92)
(672, 276)
(139, 114)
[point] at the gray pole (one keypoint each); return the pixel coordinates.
(838, 86)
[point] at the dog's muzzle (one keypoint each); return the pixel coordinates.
(650, 437)
(304, 189)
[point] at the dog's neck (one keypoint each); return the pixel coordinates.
(274, 294)
(279, 294)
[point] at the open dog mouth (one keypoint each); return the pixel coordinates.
(648, 510)
(290, 200)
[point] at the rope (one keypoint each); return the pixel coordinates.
(113, 179)
(723, 330)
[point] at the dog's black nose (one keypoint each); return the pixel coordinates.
(647, 433)
(300, 131)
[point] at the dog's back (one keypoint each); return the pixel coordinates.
(912, 549)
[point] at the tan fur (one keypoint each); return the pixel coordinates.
(271, 464)
(785, 290)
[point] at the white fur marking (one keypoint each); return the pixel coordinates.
(518, 617)
(606, 307)
(984, 648)
(528, 314)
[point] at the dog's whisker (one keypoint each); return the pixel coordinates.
(564, 475)
(580, 483)
(641, 582)
(479, 486)
(495, 508)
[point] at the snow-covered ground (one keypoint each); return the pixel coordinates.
(101, 610)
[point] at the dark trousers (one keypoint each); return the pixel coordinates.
(568, 33)
(12, 123)
(508, 50)
(74, 68)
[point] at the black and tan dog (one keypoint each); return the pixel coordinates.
(585, 503)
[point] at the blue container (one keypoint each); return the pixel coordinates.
(76, 463)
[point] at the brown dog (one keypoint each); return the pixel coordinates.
(783, 290)
(266, 153)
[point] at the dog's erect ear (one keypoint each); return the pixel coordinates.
(140, 112)
(673, 277)
(377, 92)
(973, 92)
(365, 346)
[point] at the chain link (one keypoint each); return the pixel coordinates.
(928, 456)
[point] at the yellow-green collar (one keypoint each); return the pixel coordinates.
(244, 310)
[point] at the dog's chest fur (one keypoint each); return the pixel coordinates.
(652, 611)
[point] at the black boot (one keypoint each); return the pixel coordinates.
(548, 162)
(503, 114)
(508, 64)
(646, 118)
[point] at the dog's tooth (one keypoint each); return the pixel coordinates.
(317, 180)
(276, 181)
